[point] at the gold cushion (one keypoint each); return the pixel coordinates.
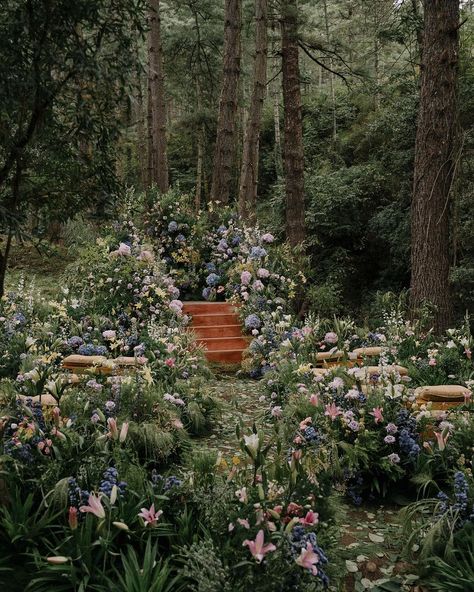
(127, 361)
(45, 399)
(329, 355)
(77, 361)
(368, 351)
(442, 392)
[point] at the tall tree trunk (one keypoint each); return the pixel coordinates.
(249, 172)
(200, 149)
(158, 159)
(276, 99)
(293, 155)
(141, 139)
(12, 207)
(224, 153)
(331, 75)
(435, 156)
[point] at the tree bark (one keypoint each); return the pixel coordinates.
(293, 154)
(224, 153)
(435, 160)
(158, 159)
(248, 187)
(331, 75)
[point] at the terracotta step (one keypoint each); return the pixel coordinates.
(225, 356)
(193, 308)
(214, 320)
(224, 343)
(205, 332)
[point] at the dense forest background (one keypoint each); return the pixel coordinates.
(98, 97)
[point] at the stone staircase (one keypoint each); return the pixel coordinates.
(217, 328)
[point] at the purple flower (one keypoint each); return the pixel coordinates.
(389, 439)
(391, 428)
(394, 458)
(253, 322)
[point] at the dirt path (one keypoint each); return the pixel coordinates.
(371, 536)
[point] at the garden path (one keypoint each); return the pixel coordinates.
(371, 535)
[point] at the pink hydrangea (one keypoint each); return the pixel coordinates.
(245, 278)
(331, 337)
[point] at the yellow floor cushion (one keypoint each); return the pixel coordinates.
(361, 352)
(442, 392)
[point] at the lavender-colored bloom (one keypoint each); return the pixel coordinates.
(353, 425)
(389, 439)
(180, 238)
(253, 322)
(94, 385)
(268, 238)
(75, 341)
(394, 458)
(222, 245)
(391, 428)
(172, 226)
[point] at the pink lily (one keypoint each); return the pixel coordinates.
(314, 400)
(94, 506)
(305, 422)
(242, 495)
(72, 517)
(258, 548)
(442, 438)
(150, 516)
(243, 522)
(377, 414)
(123, 432)
(332, 411)
(113, 429)
(308, 559)
(57, 416)
(311, 519)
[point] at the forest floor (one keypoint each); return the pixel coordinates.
(371, 540)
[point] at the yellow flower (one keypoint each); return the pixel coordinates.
(303, 369)
(235, 460)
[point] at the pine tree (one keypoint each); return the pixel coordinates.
(435, 160)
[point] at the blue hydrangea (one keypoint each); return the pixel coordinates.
(180, 238)
(461, 492)
(75, 341)
(253, 322)
(299, 540)
(89, 349)
(213, 279)
(172, 226)
(210, 267)
(19, 318)
(408, 444)
(257, 253)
